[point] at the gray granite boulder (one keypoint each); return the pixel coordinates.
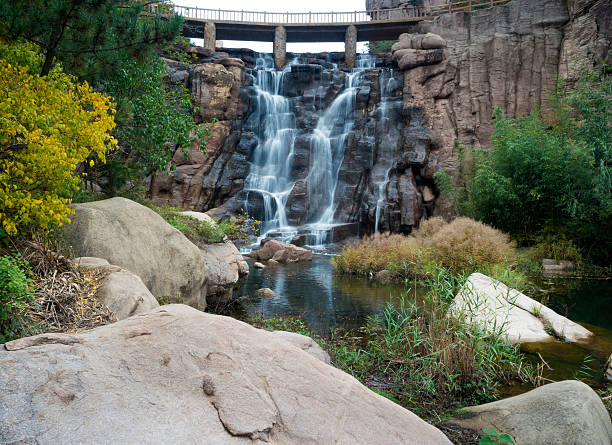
(178, 375)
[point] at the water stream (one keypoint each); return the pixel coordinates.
(388, 145)
(271, 172)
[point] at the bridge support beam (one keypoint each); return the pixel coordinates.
(210, 36)
(280, 47)
(350, 46)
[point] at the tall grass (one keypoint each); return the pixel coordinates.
(430, 361)
(463, 245)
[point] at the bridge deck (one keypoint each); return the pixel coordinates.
(380, 24)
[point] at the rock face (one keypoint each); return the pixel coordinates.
(492, 305)
(175, 376)
(203, 181)
(587, 37)
(226, 270)
(282, 253)
(136, 238)
(564, 412)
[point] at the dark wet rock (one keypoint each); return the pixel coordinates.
(265, 292)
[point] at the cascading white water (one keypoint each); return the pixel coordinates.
(327, 149)
(388, 143)
(270, 173)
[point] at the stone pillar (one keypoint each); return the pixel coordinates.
(210, 36)
(350, 46)
(280, 47)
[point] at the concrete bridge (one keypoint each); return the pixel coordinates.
(283, 27)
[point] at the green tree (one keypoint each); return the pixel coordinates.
(89, 37)
(552, 171)
(153, 120)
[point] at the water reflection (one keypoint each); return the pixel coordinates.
(311, 291)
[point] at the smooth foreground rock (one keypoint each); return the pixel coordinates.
(121, 291)
(136, 238)
(493, 305)
(226, 269)
(283, 253)
(174, 375)
(567, 412)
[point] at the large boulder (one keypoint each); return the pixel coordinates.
(282, 253)
(567, 412)
(226, 269)
(174, 375)
(493, 305)
(136, 238)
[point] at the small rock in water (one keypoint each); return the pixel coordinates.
(265, 292)
(383, 276)
(258, 265)
(272, 262)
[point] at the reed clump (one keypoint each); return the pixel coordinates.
(462, 245)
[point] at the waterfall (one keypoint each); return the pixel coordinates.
(271, 165)
(387, 145)
(270, 173)
(327, 149)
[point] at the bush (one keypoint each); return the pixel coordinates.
(463, 245)
(552, 169)
(48, 126)
(466, 245)
(153, 120)
(16, 297)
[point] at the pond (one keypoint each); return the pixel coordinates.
(327, 302)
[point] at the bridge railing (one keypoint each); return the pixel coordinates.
(407, 13)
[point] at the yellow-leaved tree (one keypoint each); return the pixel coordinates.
(48, 126)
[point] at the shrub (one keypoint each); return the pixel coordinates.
(553, 169)
(240, 229)
(153, 120)
(48, 126)
(463, 245)
(16, 296)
